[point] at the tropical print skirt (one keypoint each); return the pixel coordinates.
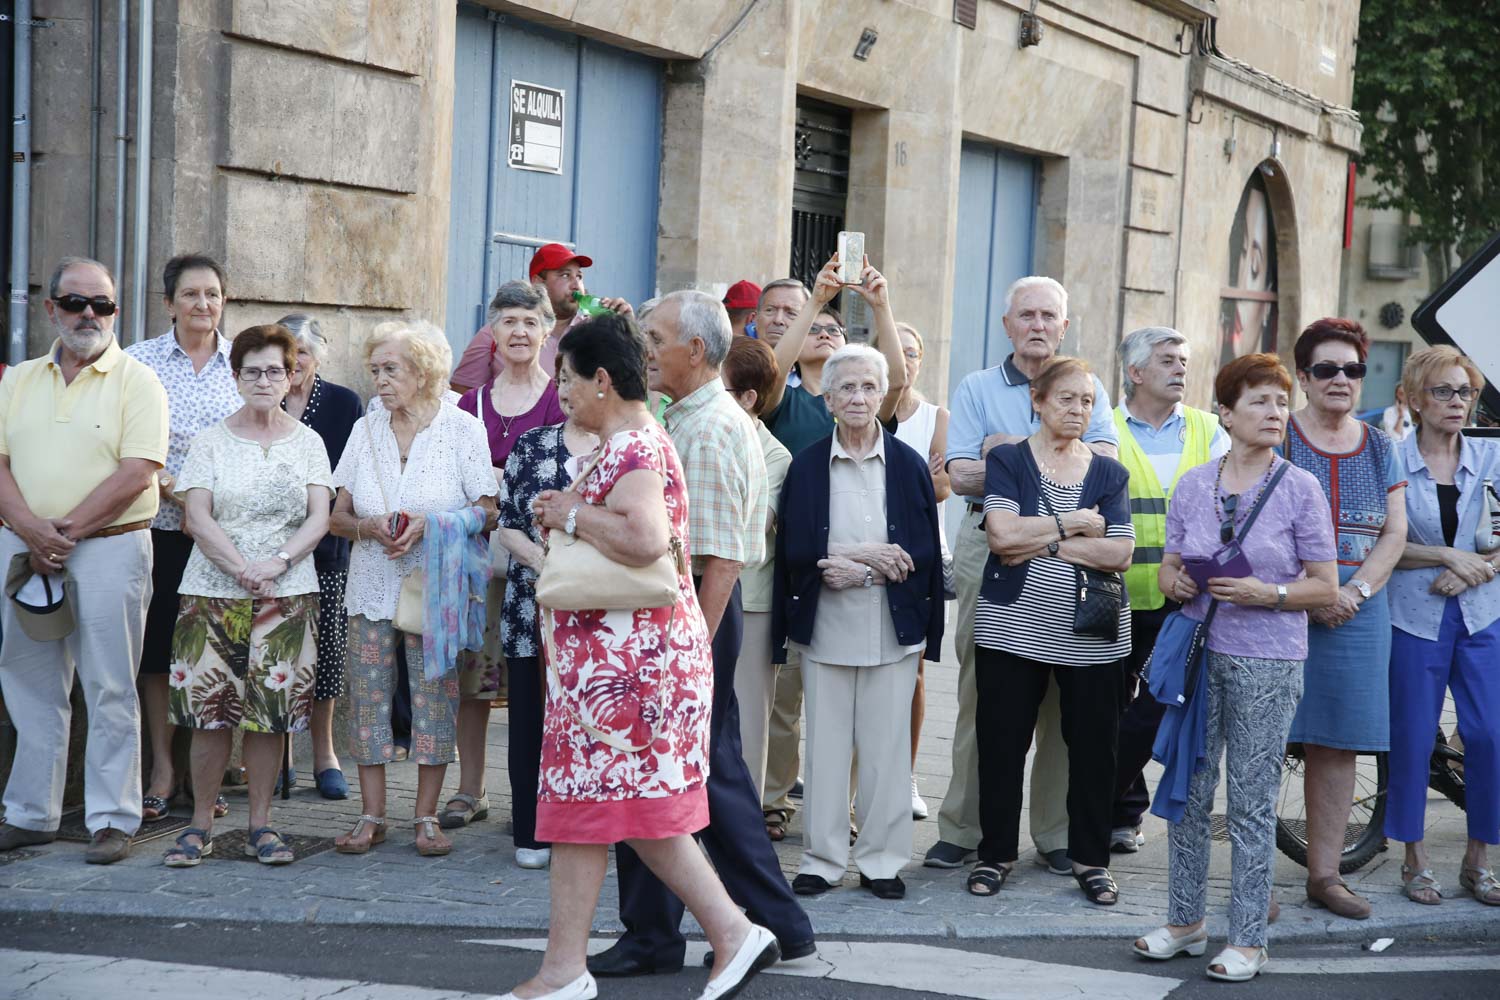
(244, 663)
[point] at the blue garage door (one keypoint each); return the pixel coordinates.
(996, 224)
(604, 199)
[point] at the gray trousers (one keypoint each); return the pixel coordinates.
(1250, 707)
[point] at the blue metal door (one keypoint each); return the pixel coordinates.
(996, 224)
(604, 199)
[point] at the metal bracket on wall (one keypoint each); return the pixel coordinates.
(35, 22)
(1031, 28)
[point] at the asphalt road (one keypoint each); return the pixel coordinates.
(453, 961)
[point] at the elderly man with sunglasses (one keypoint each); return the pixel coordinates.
(83, 432)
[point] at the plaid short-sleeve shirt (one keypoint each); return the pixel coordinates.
(726, 475)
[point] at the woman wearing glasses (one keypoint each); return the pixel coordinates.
(1444, 605)
(1256, 645)
(256, 490)
(1345, 697)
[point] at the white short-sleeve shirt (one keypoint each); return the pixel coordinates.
(448, 468)
(259, 499)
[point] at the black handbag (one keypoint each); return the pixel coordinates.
(1100, 595)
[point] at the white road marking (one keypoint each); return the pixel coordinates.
(947, 971)
(33, 975)
(1382, 965)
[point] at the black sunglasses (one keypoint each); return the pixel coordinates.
(1325, 370)
(102, 305)
(1226, 526)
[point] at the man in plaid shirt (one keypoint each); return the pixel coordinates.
(687, 339)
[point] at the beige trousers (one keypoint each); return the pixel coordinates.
(755, 690)
(784, 737)
(958, 820)
(854, 712)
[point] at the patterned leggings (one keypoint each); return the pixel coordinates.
(372, 686)
(1250, 707)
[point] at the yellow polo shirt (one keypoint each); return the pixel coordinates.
(64, 440)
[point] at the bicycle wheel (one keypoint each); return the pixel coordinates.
(1446, 769)
(1364, 836)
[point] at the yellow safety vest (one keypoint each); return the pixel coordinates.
(1148, 500)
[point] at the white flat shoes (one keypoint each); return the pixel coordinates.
(759, 950)
(582, 988)
(1161, 944)
(1237, 968)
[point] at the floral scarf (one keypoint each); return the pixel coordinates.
(458, 577)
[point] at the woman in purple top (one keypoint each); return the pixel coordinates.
(521, 398)
(1256, 647)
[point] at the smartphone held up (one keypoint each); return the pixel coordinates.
(851, 258)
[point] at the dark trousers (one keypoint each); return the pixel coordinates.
(1010, 690)
(401, 701)
(735, 837)
(1139, 723)
(524, 708)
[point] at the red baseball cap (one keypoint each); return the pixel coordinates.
(742, 295)
(553, 256)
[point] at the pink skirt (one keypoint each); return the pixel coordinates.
(656, 818)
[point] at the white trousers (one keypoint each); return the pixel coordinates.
(755, 690)
(863, 711)
(111, 588)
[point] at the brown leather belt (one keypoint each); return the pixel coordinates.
(120, 529)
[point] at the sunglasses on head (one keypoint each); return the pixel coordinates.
(1325, 370)
(103, 305)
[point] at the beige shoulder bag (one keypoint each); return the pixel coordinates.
(412, 604)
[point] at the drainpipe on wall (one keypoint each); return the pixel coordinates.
(122, 136)
(142, 228)
(95, 113)
(20, 187)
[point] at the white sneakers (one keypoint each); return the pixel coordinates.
(918, 807)
(582, 988)
(1126, 839)
(535, 858)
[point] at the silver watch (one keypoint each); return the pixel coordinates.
(869, 577)
(571, 524)
(1280, 596)
(1363, 588)
(285, 557)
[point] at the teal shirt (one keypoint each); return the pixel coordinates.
(799, 419)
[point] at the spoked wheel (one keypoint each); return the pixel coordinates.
(1446, 771)
(1364, 837)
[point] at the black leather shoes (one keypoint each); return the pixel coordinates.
(789, 952)
(808, 884)
(884, 888)
(618, 962)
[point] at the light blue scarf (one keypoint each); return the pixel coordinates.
(457, 563)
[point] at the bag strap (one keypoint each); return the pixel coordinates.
(673, 542)
(1260, 503)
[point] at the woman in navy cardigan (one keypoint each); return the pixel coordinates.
(859, 590)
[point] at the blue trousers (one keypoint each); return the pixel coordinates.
(1421, 670)
(735, 837)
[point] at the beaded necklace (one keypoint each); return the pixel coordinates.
(1239, 507)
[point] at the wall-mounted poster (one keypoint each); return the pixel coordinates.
(1247, 302)
(536, 127)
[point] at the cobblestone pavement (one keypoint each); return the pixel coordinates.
(479, 885)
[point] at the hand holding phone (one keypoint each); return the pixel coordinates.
(851, 258)
(398, 523)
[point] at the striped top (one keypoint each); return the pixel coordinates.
(1039, 624)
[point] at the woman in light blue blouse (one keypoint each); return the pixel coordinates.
(1444, 605)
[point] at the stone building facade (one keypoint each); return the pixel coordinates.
(1179, 162)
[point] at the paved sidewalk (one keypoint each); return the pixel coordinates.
(479, 885)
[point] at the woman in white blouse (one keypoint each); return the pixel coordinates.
(415, 455)
(255, 490)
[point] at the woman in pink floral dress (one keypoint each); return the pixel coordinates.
(621, 679)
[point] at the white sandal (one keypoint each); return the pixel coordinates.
(1162, 944)
(1237, 968)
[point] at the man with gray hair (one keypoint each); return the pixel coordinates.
(1160, 439)
(83, 431)
(990, 408)
(687, 339)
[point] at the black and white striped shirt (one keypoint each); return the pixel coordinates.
(1039, 624)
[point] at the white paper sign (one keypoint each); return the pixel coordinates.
(536, 127)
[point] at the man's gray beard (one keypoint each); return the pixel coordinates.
(85, 343)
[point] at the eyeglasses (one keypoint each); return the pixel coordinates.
(1226, 527)
(102, 305)
(826, 330)
(1443, 393)
(1325, 370)
(254, 374)
(850, 389)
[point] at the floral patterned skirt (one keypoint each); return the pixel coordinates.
(244, 663)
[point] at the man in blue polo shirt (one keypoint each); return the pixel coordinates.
(1160, 439)
(993, 407)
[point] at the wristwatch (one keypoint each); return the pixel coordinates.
(1363, 588)
(285, 557)
(1052, 548)
(571, 524)
(869, 577)
(1280, 596)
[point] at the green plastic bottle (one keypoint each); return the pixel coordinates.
(590, 305)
